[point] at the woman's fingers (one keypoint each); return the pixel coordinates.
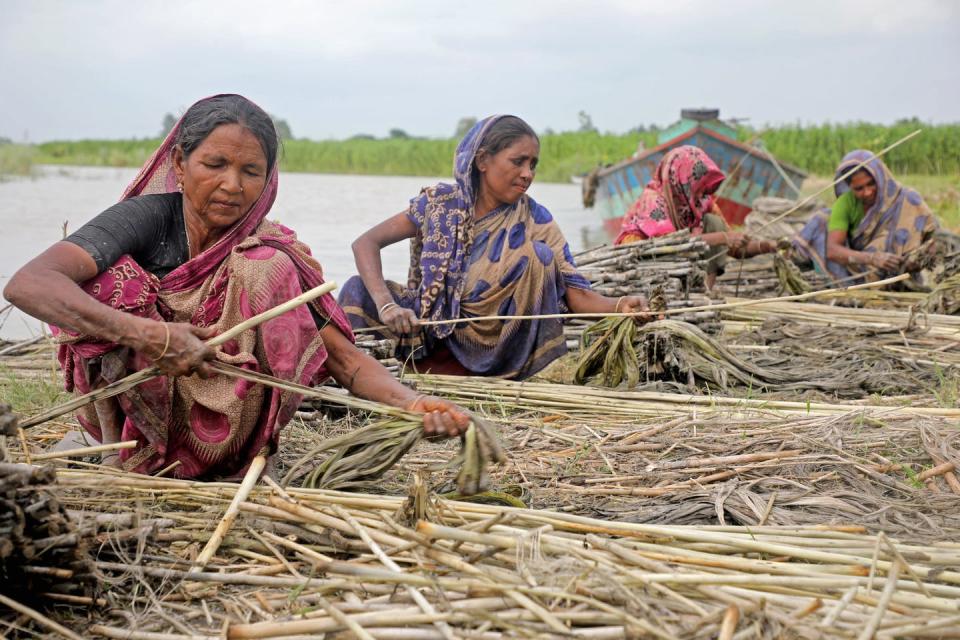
(442, 417)
(639, 305)
(401, 320)
(203, 333)
(885, 261)
(185, 351)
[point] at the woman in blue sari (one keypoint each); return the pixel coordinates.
(874, 224)
(479, 247)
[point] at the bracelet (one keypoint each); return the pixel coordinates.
(387, 306)
(414, 402)
(166, 344)
(616, 307)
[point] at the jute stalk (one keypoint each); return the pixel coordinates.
(125, 384)
(249, 480)
(85, 451)
(39, 617)
(665, 312)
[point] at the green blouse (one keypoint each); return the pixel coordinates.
(847, 214)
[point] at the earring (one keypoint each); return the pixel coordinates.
(180, 187)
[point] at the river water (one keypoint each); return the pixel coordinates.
(326, 211)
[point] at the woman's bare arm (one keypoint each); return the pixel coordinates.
(366, 252)
(48, 289)
(589, 301)
(839, 252)
(366, 378)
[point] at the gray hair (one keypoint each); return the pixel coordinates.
(203, 117)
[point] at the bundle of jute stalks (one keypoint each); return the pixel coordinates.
(778, 357)
(304, 563)
(359, 457)
(769, 275)
(41, 547)
(380, 350)
(671, 263)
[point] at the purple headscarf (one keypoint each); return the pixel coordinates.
(438, 257)
(898, 222)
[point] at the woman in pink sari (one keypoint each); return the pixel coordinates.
(188, 253)
(681, 196)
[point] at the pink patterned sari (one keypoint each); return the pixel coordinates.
(214, 427)
(677, 197)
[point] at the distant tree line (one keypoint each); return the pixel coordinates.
(814, 148)
(283, 128)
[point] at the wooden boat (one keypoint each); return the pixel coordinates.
(751, 170)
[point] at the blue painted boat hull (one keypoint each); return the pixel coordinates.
(750, 174)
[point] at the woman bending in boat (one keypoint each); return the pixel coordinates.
(479, 247)
(873, 224)
(188, 253)
(681, 196)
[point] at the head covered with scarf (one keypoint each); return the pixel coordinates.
(899, 220)
(893, 201)
(255, 265)
(677, 197)
(438, 256)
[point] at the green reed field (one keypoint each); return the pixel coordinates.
(930, 162)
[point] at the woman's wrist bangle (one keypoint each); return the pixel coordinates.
(387, 306)
(616, 307)
(166, 344)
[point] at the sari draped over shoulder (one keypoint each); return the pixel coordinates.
(899, 221)
(512, 261)
(677, 197)
(213, 428)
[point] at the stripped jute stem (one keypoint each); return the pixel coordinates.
(86, 451)
(665, 312)
(35, 615)
(131, 381)
(249, 481)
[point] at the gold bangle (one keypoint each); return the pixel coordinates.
(414, 402)
(166, 344)
(616, 307)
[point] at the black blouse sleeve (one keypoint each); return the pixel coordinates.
(139, 227)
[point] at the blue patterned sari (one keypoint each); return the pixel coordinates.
(512, 261)
(899, 221)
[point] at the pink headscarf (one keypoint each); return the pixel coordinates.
(158, 176)
(677, 197)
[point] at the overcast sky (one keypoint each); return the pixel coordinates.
(112, 68)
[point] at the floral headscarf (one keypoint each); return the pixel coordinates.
(677, 197)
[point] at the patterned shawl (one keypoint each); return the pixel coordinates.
(680, 192)
(214, 427)
(898, 221)
(893, 202)
(439, 251)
